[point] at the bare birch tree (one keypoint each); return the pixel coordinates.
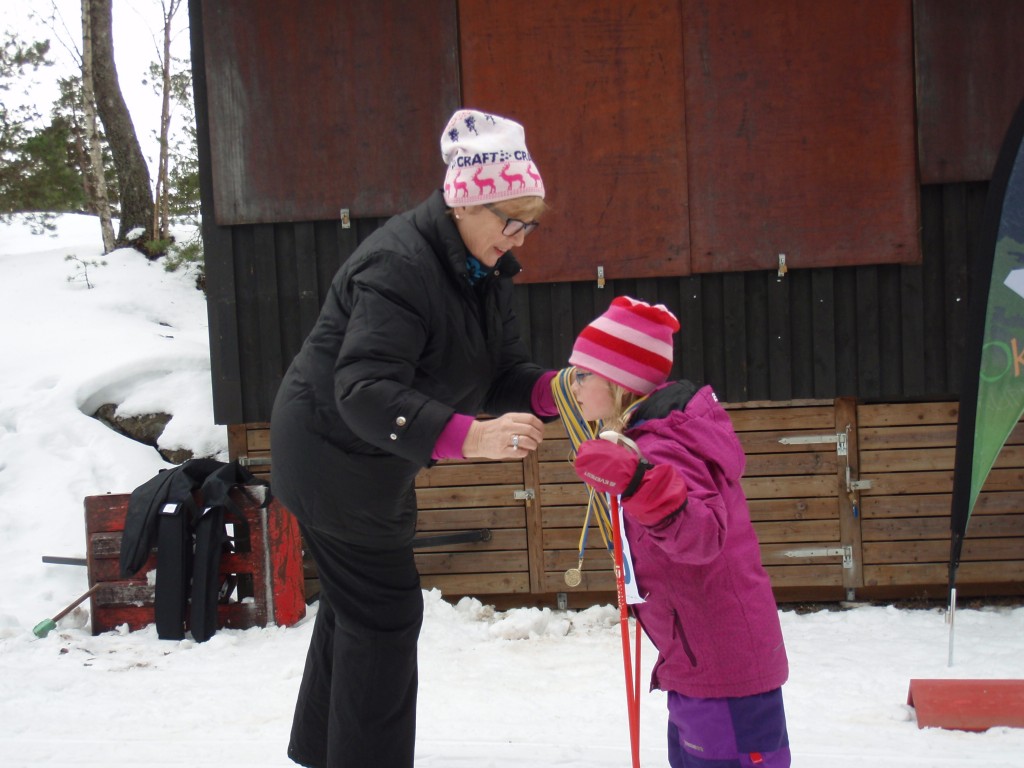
(161, 210)
(132, 171)
(96, 185)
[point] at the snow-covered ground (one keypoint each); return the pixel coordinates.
(525, 687)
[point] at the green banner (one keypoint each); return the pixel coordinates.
(1001, 378)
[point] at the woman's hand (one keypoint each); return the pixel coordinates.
(511, 436)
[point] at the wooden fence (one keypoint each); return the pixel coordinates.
(848, 500)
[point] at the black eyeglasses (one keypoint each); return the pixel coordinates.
(512, 226)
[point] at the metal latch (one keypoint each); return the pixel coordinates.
(526, 494)
(842, 441)
(845, 552)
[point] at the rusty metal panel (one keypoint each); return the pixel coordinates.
(970, 79)
(800, 121)
(598, 87)
(319, 105)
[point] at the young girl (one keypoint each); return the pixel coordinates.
(709, 606)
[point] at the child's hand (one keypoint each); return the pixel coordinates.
(609, 468)
(653, 493)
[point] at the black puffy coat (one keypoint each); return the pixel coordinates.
(403, 341)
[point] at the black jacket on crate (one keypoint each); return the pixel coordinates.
(404, 340)
(182, 512)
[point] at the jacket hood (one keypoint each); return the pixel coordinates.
(682, 412)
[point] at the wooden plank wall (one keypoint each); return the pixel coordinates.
(907, 454)
(822, 537)
(464, 496)
(793, 490)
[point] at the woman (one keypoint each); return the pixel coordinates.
(417, 336)
(709, 608)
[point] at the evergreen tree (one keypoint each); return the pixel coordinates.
(16, 116)
(48, 179)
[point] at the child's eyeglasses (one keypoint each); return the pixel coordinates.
(581, 376)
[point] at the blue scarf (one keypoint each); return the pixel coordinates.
(475, 271)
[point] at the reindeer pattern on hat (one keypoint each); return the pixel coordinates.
(493, 150)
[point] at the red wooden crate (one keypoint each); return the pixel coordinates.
(269, 571)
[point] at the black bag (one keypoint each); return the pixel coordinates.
(182, 511)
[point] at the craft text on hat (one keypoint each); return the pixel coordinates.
(487, 160)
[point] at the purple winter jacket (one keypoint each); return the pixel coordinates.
(710, 610)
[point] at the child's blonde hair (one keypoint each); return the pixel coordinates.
(622, 399)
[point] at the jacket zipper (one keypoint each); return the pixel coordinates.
(681, 634)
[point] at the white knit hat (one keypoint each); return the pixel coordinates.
(487, 160)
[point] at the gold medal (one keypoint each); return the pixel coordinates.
(574, 576)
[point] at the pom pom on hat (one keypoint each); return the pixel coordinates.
(487, 160)
(630, 345)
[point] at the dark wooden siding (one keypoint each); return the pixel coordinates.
(874, 333)
(890, 332)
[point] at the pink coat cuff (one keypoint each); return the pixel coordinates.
(542, 401)
(449, 443)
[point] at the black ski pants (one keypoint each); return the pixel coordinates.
(357, 701)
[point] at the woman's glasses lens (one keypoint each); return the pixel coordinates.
(512, 226)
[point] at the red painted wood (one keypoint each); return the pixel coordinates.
(318, 106)
(800, 123)
(130, 601)
(597, 87)
(967, 705)
(285, 543)
(970, 75)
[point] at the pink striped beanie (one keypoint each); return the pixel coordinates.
(630, 345)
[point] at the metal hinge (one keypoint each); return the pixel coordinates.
(841, 439)
(845, 552)
(526, 494)
(253, 461)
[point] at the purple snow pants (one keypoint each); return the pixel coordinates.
(728, 733)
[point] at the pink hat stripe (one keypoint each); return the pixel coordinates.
(615, 375)
(630, 344)
(613, 358)
(631, 320)
(638, 355)
(636, 336)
